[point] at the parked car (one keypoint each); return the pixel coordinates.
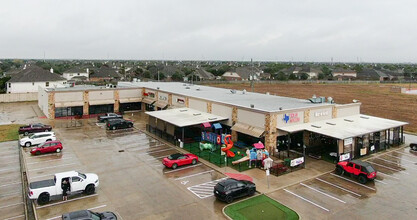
(47, 147)
(37, 138)
(43, 190)
(33, 128)
(413, 147)
(107, 116)
(230, 189)
(89, 215)
(362, 170)
(175, 160)
(114, 124)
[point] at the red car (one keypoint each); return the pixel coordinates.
(175, 160)
(47, 147)
(33, 128)
(360, 169)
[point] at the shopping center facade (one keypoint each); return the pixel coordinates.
(279, 122)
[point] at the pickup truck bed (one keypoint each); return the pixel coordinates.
(41, 184)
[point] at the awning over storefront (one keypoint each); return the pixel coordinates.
(148, 100)
(346, 127)
(248, 129)
(161, 104)
(101, 102)
(182, 117)
(130, 100)
(68, 104)
(217, 126)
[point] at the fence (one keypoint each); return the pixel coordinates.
(18, 97)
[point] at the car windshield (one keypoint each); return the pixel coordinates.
(32, 136)
(174, 156)
(370, 169)
(82, 175)
(95, 216)
(42, 145)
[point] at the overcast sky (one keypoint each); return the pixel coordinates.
(297, 30)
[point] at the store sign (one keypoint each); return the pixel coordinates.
(163, 98)
(151, 94)
(145, 94)
(291, 118)
(181, 101)
(320, 114)
(344, 157)
(348, 141)
(297, 161)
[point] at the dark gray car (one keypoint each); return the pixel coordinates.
(89, 215)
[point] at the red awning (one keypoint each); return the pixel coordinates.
(239, 176)
(259, 146)
(206, 125)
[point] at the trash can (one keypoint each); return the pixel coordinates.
(287, 162)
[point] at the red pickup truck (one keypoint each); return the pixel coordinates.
(33, 128)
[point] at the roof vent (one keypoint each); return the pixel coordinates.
(195, 114)
(267, 93)
(183, 110)
(212, 118)
(330, 100)
(315, 126)
(198, 88)
(187, 87)
(244, 91)
(233, 91)
(252, 105)
(364, 117)
(157, 87)
(329, 123)
(349, 120)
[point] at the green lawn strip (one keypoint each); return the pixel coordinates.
(9, 132)
(260, 207)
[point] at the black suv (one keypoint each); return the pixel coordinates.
(113, 124)
(87, 215)
(230, 189)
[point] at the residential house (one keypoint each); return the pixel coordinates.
(231, 76)
(203, 74)
(104, 73)
(77, 73)
(344, 74)
(30, 78)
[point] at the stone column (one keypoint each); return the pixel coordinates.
(307, 116)
(234, 121)
(170, 99)
(85, 107)
(187, 102)
(334, 112)
(271, 133)
(209, 107)
(51, 105)
(143, 106)
(116, 101)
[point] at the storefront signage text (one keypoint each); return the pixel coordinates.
(163, 98)
(344, 157)
(291, 118)
(181, 101)
(348, 141)
(297, 161)
(319, 114)
(151, 94)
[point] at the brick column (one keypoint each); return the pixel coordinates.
(307, 116)
(116, 101)
(270, 133)
(234, 121)
(85, 99)
(209, 107)
(51, 105)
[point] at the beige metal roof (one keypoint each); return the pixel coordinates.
(346, 127)
(129, 100)
(248, 129)
(161, 104)
(148, 100)
(182, 117)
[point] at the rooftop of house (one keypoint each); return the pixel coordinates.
(105, 72)
(35, 73)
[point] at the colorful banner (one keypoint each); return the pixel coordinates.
(212, 137)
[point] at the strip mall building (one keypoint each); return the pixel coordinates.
(279, 122)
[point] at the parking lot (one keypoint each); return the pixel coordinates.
(11, 196)
(133, 182)
(332, 196)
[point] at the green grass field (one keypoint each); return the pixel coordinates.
(9, 132)
(258, 208)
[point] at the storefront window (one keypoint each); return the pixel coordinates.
(100, 109)
(68, 111)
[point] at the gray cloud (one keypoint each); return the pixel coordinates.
(304, 30)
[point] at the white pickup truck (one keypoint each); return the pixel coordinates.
(79, 182)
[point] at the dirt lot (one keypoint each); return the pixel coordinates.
(377, 99)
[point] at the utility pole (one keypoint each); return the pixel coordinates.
(251, 75)
(158, 75)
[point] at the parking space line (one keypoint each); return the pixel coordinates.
(15, 217)
(341, 177)
(157, 157)
(46, 155)
(58, 203)
(13, 168)
(410, 155)
(183, 168)
(151, 152)
(398, 164)
(400, 158)
(313, 203)
(321, 192)
(49, 160)
(339, 187)
(12, 193)
(390, 168)
(379, 181)
(202, 191)
(379, 172)
(180, 178)
(15, 204)
(62, 165)
(135, 148)
(14, 183)
(10, 156)
(56, 217)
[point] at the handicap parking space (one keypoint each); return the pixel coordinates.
(11, 196)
